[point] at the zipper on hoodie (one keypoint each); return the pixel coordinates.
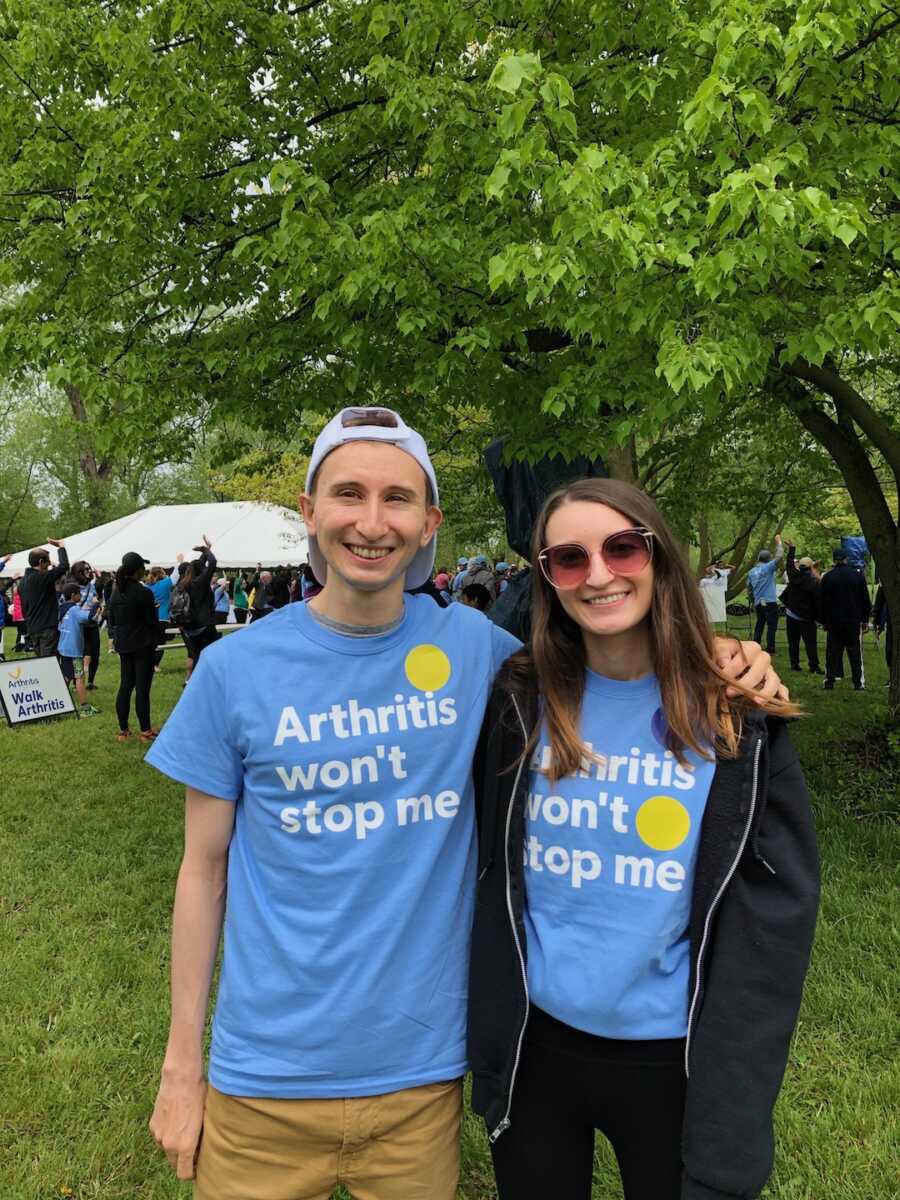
(505, 1122)
(715, 904)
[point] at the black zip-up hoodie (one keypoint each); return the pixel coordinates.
(753, 912)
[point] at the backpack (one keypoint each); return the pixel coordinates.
(180, 606)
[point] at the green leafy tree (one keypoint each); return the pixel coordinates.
(597, 216)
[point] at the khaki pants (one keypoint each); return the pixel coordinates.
(399, 1146)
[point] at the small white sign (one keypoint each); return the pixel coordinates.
(33, 689)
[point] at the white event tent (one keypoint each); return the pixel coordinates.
(242, 534)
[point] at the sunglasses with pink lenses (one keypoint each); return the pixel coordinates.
(569, 564)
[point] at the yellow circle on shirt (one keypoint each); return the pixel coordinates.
(427, 668)
(662, 823)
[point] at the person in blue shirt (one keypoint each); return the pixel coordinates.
(761, 583)
(456, 583)
(74, 614)
(648, 878)
(221, 600)
(327, 755)
(160, 584)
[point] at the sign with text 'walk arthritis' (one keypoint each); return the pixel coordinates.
(33, 689)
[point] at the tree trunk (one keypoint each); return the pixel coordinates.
(96, 471)
(705, 547)
(621, 461)
(878, 525)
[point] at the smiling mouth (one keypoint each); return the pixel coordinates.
(604, 601)
(370, 553)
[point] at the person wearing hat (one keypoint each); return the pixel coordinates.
(480, 572)
(462, 565)
(801, 602)
(502, 569)
(845, 610)
(328, 761)
(40, 603)
(135, 626)
(327, 754)
(761, 583)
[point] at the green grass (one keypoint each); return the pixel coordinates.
(90, 842)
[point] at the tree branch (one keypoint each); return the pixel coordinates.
(867, 41)
(847, 398)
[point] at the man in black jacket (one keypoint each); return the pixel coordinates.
(801, 601)
(40, 605)
(846, 606)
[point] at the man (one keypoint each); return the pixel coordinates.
(716, 575)
(327, 754)
(881, 623)
(462, 564)
(40, 603)
(761, 581)
(480, 572)
(261, 586)
(801, 601)
(846, 606)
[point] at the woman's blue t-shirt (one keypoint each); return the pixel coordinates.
(610, 855)
(351, 866)
(162, 594)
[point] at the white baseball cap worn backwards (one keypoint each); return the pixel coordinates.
(374, 425)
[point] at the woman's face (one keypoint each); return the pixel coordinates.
(605, 603)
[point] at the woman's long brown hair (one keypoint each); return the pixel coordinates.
(698, 714)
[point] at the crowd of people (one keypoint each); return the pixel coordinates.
(580, 864)
(837, 599)
(61, 610)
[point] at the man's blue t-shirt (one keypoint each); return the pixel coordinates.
(71, 631)
(351, 867)
(610, 855)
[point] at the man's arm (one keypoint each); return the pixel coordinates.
(177, 1118)
(62, 569)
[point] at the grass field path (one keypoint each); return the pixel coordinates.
(90, 840)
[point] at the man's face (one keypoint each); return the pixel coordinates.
(369, 513)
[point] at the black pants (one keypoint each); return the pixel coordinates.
(163, 627)
(137, 677)
(197, 642)
(91, 649)
(45, 642)
(240, 615)
(766, 618)
(802, 629)
(569, 1084)
(844, 636)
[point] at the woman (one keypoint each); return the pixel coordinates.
(161, 585)
(648, 879)
(19, 621)
(199, 625)
(241, 603)
(135, 628)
